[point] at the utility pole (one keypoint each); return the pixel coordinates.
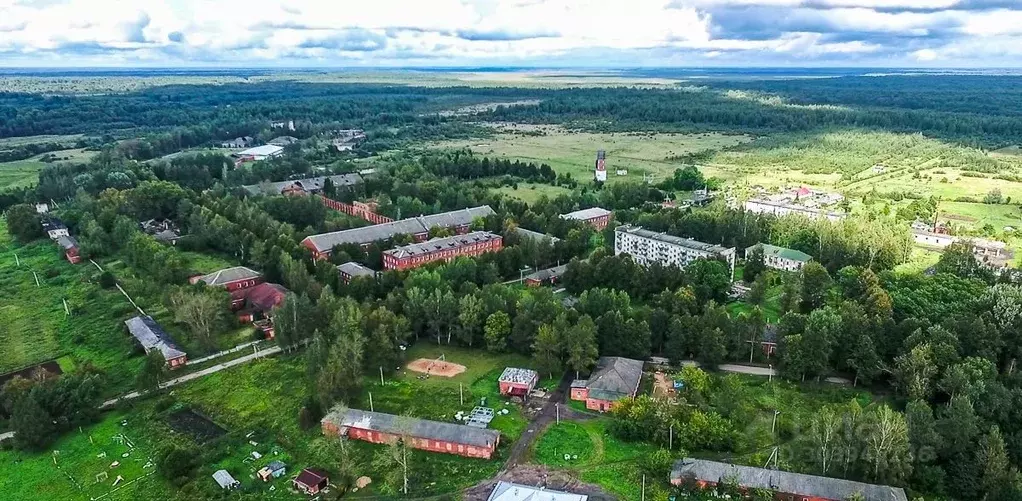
(371, 402)
(461, 392)
(773, 425)
(643, 487)
(17, 259)
(670, 440)
(381, 374)
(557, 409)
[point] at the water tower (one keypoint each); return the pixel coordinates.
(601, 166)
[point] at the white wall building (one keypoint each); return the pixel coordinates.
(781, 258)
(760, 206)
(647, 247)
(261, 152)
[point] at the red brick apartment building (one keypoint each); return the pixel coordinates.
(432, 436)
(441, 249)
(786, 486)
(596, 217)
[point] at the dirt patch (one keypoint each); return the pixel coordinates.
(434, 367)
(199, 427)
(539, 476)
(662, 387)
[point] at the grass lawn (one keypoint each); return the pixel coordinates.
(34, 327)
(531, 192)
(575, 152)
(771, 305)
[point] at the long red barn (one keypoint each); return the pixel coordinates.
(433, 436)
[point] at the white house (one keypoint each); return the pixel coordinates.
(647, 247)
(780, 258)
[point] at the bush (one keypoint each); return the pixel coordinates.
(107, 280)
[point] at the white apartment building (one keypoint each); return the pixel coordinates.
(647, 247)
(761, 206)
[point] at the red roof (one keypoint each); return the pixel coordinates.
(803, 191)
(310, 477)
(263, 297)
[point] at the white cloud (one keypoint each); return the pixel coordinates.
(925, 55)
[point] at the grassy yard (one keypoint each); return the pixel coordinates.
(26, 172)
(33, 323)
(575, 152)
(531, 192)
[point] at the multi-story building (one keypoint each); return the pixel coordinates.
(441, 249)
(596, 217)
(647, 247)
(762, 206)
(460, 221)
(781, 258)
(351, 270)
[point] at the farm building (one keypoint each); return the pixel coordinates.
(547, 276)
(352, 269)
(232, 279)
(418, 227)
(275, 469)
(311, 185)
(225, 480)
(596, 217)
(787, 485)
(506, 491)
(256, 304)
(69, 245)
(260, 152)
(311, 481)
(780, 258)
(152, 337)
(517, 382)
(615, 378)
(432, 436)
(441, 249)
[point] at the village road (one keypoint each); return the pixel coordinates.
(760, 371)
(543, 419)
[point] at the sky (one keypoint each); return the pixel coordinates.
(523, 33)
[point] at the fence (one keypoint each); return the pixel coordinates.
(361, 211)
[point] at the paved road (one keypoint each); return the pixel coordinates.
(546, 416)
(760, 371)
(197, 374)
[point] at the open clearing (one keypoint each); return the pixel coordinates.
(440, 368)
(531, 192)
(26, 172)
(575, 152)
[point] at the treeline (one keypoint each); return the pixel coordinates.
(911, 110)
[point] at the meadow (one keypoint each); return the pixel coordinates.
(573, 152)
(20, 173)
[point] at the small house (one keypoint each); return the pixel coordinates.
(615, 378)
(351, 269)
(547, 276)
(70, 248)
(225, 480)
(275, 469)
(311, 481)
(517, 382)
(42, 208)
(55, 228)
(257, 304)
(152, 337)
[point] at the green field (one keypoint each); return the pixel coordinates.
(531, 192)
(33, 324)
(26, 172)
(575, 152)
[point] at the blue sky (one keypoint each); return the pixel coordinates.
(546, 33)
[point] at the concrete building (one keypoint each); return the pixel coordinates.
(460, 221)
(506, 491)
(615, 378)
(647, 247)
(762, 206)
(785, 485)
(991, 253)
(596, 217)
(441, 249)
(780, 258)
(152, 337)
(432, 436)
(259, 153)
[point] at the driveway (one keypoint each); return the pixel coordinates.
(543, 419)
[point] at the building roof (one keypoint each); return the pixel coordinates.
(614, 378)
(283, 140)
(166, 236)
(276, 465)
(783, 481)
(151, 336)
(797, 208)
(224, 479)
(353, 269)
(411, 226)
(781, 252)
(506, 491)
(311, 184)
(311, 476)
(684, 242)
(52, 223)
(265, 150)
(516, 375)
(586, 214)
(437, 244)
(67, 242)
(418, 428)
(263, 297)
(535, 236)
(548, 273)
(228, 275)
